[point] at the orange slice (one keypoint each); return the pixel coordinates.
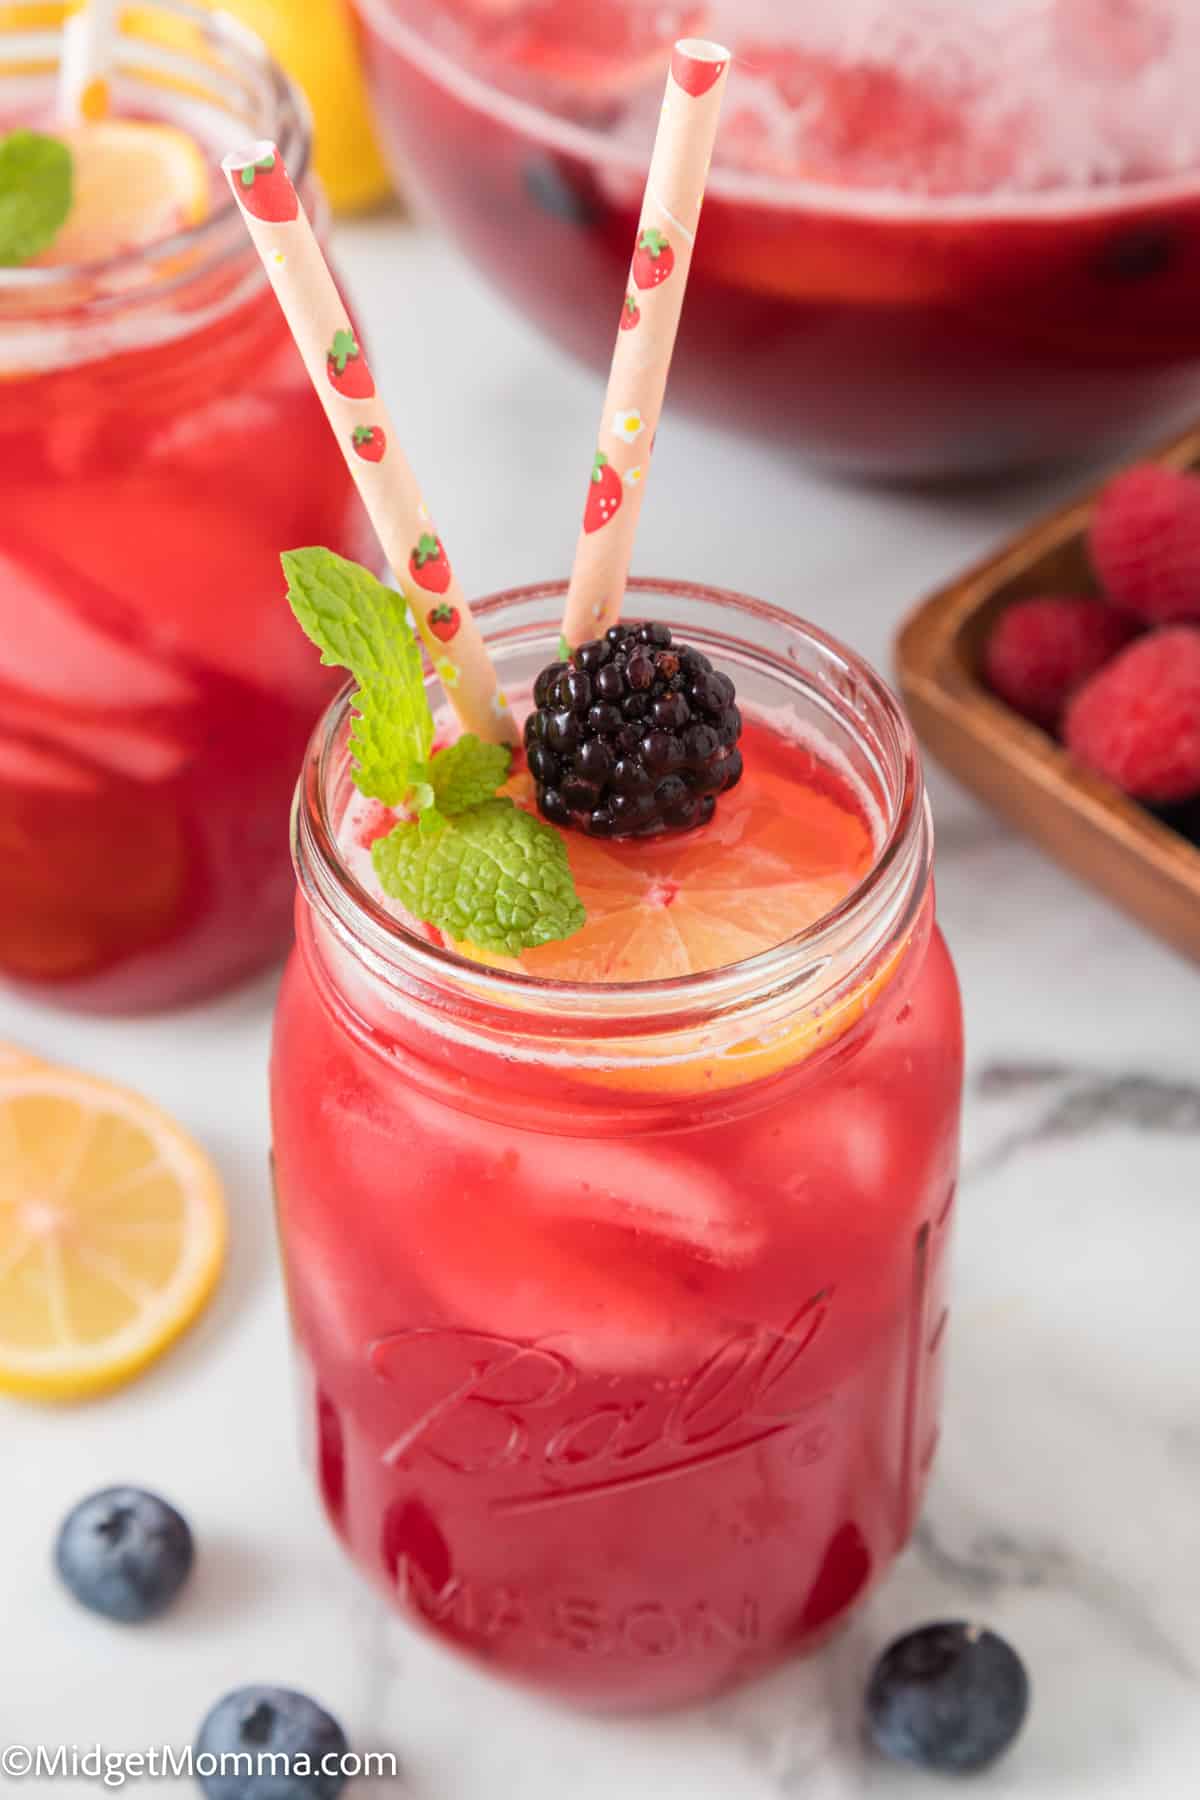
(112, 1231)
(784, 849)
(136, 183)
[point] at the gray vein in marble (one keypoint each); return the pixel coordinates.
(801, 1727)
(1082, 1101)
(379, 1667)
(997, 1560)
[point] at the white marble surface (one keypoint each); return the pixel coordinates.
(1066, 1503)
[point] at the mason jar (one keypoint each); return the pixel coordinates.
(620, 1310)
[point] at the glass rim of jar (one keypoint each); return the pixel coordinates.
(219, 237)
(818, 964)
(590, 144)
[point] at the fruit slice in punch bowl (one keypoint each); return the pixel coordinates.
(939, 240)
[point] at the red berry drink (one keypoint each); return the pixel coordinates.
(159, 442)
(937, 239)
(617, 1267)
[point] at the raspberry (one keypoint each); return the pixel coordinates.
(1138, 720)
(1145, 544)
(1044, 648)
(634, 736)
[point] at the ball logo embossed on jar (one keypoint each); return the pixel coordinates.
(505, 1411)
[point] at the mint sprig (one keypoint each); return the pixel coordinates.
(494, 876)
(37, 180)
(467, 861)
(467, 773)
(359, 625)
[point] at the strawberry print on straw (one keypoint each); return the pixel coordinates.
(604, 494)
(444, 621)
(347, 366)
(653, 260)
(429, 565)
(645, 340)
(267, 190)
(370, 441)
(337, 368)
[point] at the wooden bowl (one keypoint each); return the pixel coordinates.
(1086, 824)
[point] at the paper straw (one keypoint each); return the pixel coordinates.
(337, 368)
(89, 45)
(650, 317)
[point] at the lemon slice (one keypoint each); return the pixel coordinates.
(112, 1231)
(136, 183)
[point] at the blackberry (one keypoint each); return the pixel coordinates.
(635, 735)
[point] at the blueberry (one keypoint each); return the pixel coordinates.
(263, 1723)
(124, 1553)
(561, 189)
(949, 1697)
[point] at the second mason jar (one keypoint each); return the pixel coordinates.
(159, 446)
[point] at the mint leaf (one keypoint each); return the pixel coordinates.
(360, 625)
(36, 186)
(495, 876)
(467, 773)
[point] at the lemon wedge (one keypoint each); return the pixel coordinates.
(319, 47)
(135, 184)
(112, 1231)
